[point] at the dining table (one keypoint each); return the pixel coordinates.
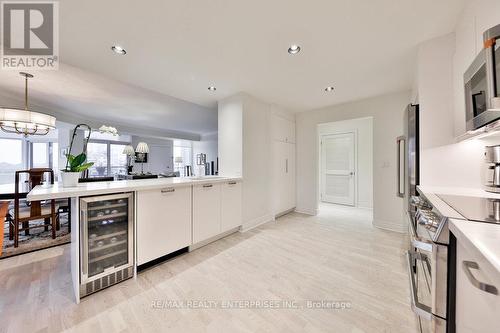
(8, 191)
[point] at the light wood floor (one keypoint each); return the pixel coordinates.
(335, 256)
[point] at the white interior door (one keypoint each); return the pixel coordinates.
(338, 181)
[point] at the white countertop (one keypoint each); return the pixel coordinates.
(465, 191)
(481, 238)
(57, 191)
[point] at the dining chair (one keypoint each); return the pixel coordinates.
(37, 210)
(4, 207)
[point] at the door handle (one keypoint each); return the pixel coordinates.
(401, 194)
(466, 267)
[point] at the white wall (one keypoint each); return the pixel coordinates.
(160, 157)
(230, 144)
(387, 113)
(363, 127)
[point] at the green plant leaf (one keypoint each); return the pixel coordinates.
(85, 166)
(77, 161)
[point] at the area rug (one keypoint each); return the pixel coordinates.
(37, 239)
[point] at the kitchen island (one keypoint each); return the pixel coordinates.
(119, 226)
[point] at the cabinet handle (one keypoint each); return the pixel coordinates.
(232, 183)
(466, 267)
(208, 185)
(168, 190)
(286, 165)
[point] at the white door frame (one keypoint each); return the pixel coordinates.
(320, 164)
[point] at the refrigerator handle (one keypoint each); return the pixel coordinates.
(401, 163)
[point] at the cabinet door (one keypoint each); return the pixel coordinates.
(231, 205)
(290, 131)
(476, 310)
(206, 211)
(282, 129)
(290, 176)
(163, 222)
(279, 181)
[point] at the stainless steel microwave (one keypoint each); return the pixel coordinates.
(482, 83)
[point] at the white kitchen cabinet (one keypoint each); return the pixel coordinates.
(163, 222)
(206, 211)
(476, 310)
(283, 177)
(282, 129)
(231, 216)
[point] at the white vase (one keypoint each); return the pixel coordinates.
(70, 179)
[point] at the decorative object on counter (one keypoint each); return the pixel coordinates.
(201, 161)
(212, 168)
(188, 172)
(75, 165)
(142, 150)
(24, 121)
(68, 173)
(130, 152)
(178, 160)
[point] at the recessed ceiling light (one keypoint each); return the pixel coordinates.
(328, 89)
(294, 49)
(212, 88)
(118, 50)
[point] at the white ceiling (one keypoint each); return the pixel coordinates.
(178, 48)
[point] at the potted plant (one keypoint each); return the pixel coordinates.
(74, 166)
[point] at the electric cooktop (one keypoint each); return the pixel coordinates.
(474, 208)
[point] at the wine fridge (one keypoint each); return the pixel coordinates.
(106, 241)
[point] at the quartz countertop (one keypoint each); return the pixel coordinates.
(463, 191)
(57, 191)
(482, 239)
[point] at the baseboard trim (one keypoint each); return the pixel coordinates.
(312, 212)
(390, 226)
(257, 222)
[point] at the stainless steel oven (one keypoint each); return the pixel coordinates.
(482, 83)
(427, 272)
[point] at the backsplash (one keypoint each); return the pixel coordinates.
(457, 165)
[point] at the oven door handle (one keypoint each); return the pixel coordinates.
(416, 241)
(420, 309)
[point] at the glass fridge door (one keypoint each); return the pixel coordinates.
(107, 234)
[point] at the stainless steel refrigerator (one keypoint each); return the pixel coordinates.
(408, 147)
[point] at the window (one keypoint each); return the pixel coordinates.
(118, 160)
(182, 152)
(98, 153)
(40, 155)
(108, 158)
(11, 159)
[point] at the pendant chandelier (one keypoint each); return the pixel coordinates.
(24, 121)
